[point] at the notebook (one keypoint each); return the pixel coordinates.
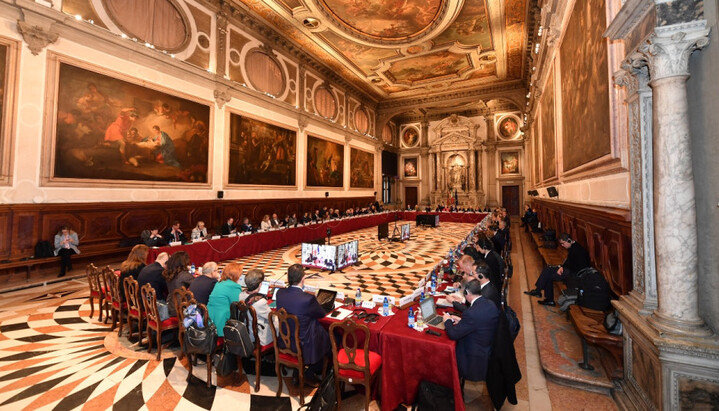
(429, 313)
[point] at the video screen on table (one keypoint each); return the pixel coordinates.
(404, 232)
(347, 254)
(319, 256)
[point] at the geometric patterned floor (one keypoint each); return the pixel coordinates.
(53, 356)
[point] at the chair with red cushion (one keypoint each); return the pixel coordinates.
(149, 300)
(180, 296)
(135, 310)
(117, 306)
(260, 350)
(96, 290)
(205, 320)
(105, 291)
(291, 355)
(353, 361)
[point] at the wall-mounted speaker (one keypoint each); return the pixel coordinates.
(552, 191)
(220, 194)
(327, 193)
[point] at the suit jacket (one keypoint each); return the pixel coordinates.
(503, 371)
(314, 339)
(496, 267)
(577, 259)
(152, 274)
(155, 241)
(498, 240)
(167, 235)
(489, 292)
(474, 334)
(246, 228)
(226, 229)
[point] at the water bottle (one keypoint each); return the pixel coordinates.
(385, 307)
(410, 318)
(358, 298)
(419, 320)
(434, 285)
(421, 295)
(192, 269)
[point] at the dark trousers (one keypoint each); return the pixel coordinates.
(65, 263)
(547, 278)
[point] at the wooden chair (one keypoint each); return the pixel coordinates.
(205, 320)
(291, 355)
(96, 290)
(117, 306)
(180, 296)
(353, 361)
(135, 309)
(149, 300)
(260, 350)
(105, 289)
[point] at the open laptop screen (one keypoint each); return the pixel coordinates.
(427, 307)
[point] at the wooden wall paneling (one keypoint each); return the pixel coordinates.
(25, 231)
(5, 234)
(132, 222)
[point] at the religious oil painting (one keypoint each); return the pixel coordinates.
(549, 139)
(261, 153)
(325, 163)
(508, 127)
(361, 169)
(585, 86)
(410, 167)
(111, 129)
(509, 161)
(410, 137)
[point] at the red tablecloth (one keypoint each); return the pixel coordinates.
(447, 217)
(228, 248)
(375, 328)
(409, 357)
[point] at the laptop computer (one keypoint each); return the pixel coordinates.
(326, 298)
(429, 313)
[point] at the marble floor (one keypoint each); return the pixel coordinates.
(54, 356)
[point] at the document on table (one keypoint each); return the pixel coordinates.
(341, 314)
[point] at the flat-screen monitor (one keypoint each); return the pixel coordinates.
(347, 254)
(404, 232)
(319, 256)
(383, 231)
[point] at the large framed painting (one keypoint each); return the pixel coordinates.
(325, 163)
(509, 163)
(410, 167)
(585, 86)
(8, 69)
(549, 156)
(508, 127)
(261, 154)
(106, 129)
(362, 168)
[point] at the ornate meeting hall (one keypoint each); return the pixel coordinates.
(446, 204)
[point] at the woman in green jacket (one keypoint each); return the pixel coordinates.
(225, 293)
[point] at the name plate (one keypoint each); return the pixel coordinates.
(310, 289)
(368, 304)
(406, 300)
(197, 240)
(379, 299)
(175, 243)
(216, 237)
(340, 295)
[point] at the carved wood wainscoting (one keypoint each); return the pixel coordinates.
(110, 229)
(604, 231)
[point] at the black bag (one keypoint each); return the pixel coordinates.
(225, 363)
(433, 397)
(198, 340)
(549, 239)
(43, 249)
(613, 324)
(237, 336)
(512, 321)
(325, 398)
(594, 290)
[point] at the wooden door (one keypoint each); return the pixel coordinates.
(510, 199)
(410, 196)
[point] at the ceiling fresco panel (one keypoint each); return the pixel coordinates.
(471, 28)
(429, 66)
(365, 58)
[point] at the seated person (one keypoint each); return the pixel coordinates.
(335, 214)
(226, 292)
(152, 274)
(314, 339)
(323, 213)
(265, 224)
(202, 286)
(200, 231)
(577, 259)
(229, 227)
(174, 233)
(316, 217)
(253, 280)
(177, 275)
(493, 260)
(477, 270)
(498, 238)
(152, 238)
(291, 221)
(474, 333)
(306, 218)
(132, 266)
(275, 221)
(246, 227)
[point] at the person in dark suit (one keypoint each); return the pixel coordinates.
(474, 333)
(152, 274)
(229, 227)
(152, 238)
(474, 270)
(203, 285)
(174, 233)
(246, 227)
(577, 259)
(493, 260)
(498, 239)
(314, 339)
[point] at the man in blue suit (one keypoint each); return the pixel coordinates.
(474, 333)
(314, 339)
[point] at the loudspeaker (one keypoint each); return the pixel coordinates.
(220, 194)
(327, 193)
(383, 231)
(552, 191)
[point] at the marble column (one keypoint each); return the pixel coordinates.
(424, 197)
(472, 170)
(480, 182)
(667, 54)
(634, 77)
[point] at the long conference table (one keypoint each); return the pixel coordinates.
(229, 248)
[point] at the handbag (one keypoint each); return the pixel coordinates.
(225, 363)
(163, 311)
(200, 340)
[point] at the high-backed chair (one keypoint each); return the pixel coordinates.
(180, 296)
(135, 309)
(260, 350)
(288, 349)
(149, 299)
(205, 320)
(96, 290)
(105, 289)
(353, 361)
(117, 307)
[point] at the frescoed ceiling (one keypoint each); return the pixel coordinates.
(405, 48)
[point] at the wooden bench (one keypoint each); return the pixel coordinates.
(89, 252)
(588, 323)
